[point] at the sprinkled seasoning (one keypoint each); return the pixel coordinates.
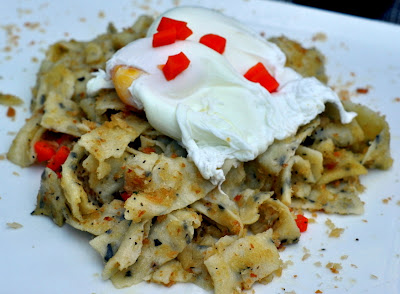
(109, 253)
(157, 242)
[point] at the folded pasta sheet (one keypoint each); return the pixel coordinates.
(152, 214)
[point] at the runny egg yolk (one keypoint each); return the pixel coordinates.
(122, 77)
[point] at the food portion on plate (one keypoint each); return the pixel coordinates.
(189, 145)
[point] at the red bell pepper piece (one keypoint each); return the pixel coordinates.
(125, 195)
(45, 150)
(175, 65)
(259, 74)
(59, 158)
(182, 30)
(215, 42)
(301, 222)
(164, 37)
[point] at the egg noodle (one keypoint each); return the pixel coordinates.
(152, 214)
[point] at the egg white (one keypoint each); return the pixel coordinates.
(210, 108)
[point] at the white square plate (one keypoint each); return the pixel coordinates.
(42, 258)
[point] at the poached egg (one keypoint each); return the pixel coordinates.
(211, 108)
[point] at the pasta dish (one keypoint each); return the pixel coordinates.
(190, 152)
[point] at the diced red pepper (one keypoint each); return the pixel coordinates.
(45, 150)
(259, 74)
(237, 197)
(164, 37)
(301, 222)
(183, 33)
(59, 158)
(63, 138)
(214, 42)
(175, 65)
(182, 30)
(148, 150)
(125, 195)
(330, 165)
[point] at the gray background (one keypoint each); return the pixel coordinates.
(384, 10)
